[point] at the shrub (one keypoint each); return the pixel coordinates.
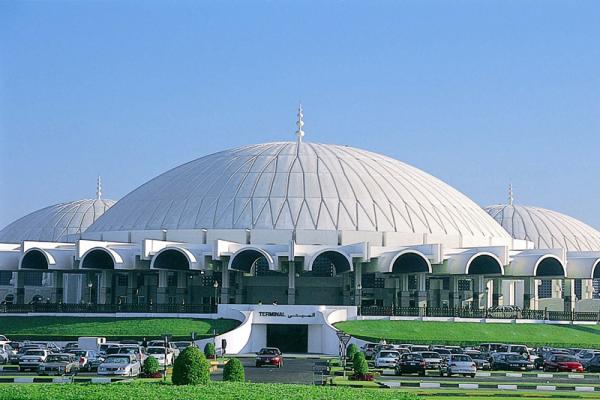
(191, 368)
(234, 371)
(351, 350)
(151, 368)
(361, 368)
(209, 350)
(357, 356)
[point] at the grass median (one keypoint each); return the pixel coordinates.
(468, 333)
(69, 328)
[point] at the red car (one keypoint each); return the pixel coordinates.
(562, 363)
(269, 356)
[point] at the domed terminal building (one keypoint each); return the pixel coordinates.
(302, 224)
(550, 231)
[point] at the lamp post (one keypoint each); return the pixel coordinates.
(89, 285)
(359, 297)
(216, 286)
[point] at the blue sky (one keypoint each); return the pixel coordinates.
(477, 93)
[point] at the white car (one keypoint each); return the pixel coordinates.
(120, 364)
(32, 358)
(386, 359)
(6, 353)
(159, 353)
(459, 364)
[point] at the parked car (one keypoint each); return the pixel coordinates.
(515, 348)
(460, 364)
(432, 359)
(489, 347)
(6, 351)
(182, 345)
(171, 348)
(59, 364)
(510, 362)
(104, 347)
(32, 358)
(455, 349)
(480, 359)
(443, 352)
(562, 363)
(585, 355)
(120, 364)
(386, 359)
(369, 350)
(4, 339)
(70, 346)
(410, 363)
(418, 349)
(545, 353)
(163, 357)
(269, 356)
(592, 365)
(89, 360)
(138, 351)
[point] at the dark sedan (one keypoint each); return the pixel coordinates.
(269, 356)
(510, 362)
(411, 363)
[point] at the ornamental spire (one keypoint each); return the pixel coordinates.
(300, 123)
(510, 195)
(99, 188)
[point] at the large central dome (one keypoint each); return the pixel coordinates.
(287, 185)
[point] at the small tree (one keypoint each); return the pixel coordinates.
(361, 368)
(234, 371)
(151, 366)
(351, 350)
(357, 357)
(191, 368)
(209, 350)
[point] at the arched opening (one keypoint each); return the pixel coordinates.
(98, 259)
(245, 259)
(484, 264)
(550, 266)
(36, 299)
(171, 259)
(34, 259)
(329, 264)
(410, 263)
(596, 271)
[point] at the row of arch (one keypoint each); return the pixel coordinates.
(407, 261)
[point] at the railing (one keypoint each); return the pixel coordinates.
(107, 308)
(479, 313)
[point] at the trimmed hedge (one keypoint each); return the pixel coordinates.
(361, 368)
(209, 350)
(151, 367)
(191, 368)
(351, 350)
(234, 371)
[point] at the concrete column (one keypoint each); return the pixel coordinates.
(422, 290)
(291, 297)
(530, 293)
(105, 288)
(225, 284)
(20, 287)
(58, 287)
(454, 294)
(181, 286)
(557, 288)
(587, 289)
(239, 291)
(479, 293)
(162, 292)
(132, 287)
(497, 295)
(569, 294)
(404, 292)
(357, 284)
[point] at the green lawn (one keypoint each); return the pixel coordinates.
(471, 333)
(73, 327)
(213, 391)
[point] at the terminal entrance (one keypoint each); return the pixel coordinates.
(288, 338)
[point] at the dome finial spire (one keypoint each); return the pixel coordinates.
(510, 195)
(300, 123)
(99, 187)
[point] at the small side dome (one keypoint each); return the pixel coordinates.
(57, 223)
(547, 229)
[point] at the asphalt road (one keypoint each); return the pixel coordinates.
(292, 371)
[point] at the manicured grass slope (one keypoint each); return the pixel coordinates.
(220, 391)
(119, 327)
(469, 333)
